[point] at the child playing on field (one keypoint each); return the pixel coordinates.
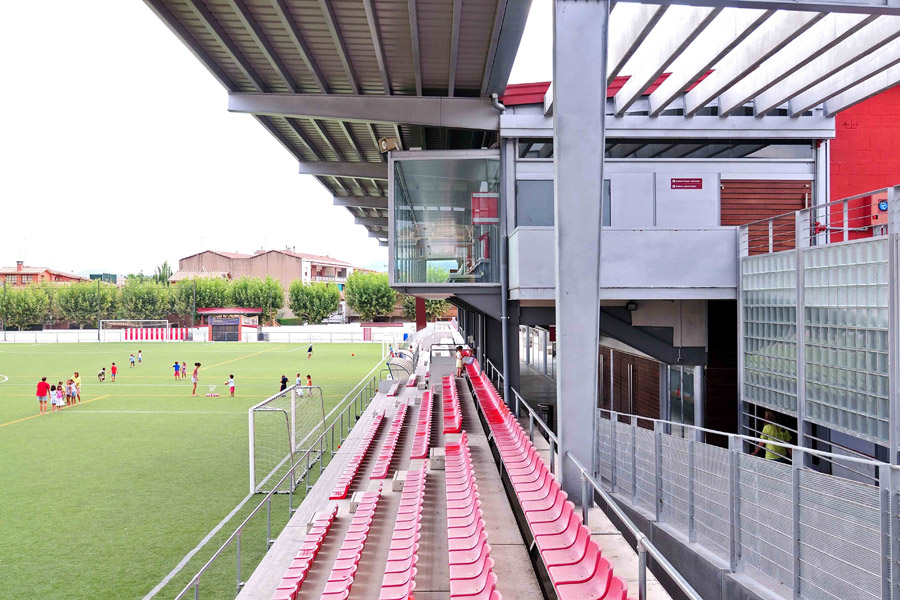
(73, 390)
(52, 398)
(195, 377)
(131, 359)
(60, 397)
(140, 357)
(230, 383)
(299, 382)
(112, 371)
(177, 368)
(183, 370)
(101, 374)
(308, 381)
(309, 351)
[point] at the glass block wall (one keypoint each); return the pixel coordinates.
(769, 298)
(846, 337)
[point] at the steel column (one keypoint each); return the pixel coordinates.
(579, 78)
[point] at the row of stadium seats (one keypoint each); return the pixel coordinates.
(411, 382)
(423, 428)
(296, 573)
(383, 464)
(573, 560)
(452, 410)
(400, 571)
(394, 390)
(471, 566)
(347, 561)
(343, 484)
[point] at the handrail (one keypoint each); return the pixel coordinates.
(820, 206)
(755, 440)
(359, 405)
(642, 542)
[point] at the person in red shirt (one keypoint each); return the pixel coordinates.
(43, 394)
(113, 370)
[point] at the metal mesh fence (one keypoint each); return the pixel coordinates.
(624, 454)
(711, 497)
(675, 484)
(645, 468)
(840, 538)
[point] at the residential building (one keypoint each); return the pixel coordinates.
(22, 275)
(282, 265)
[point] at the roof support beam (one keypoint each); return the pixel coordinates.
(259, 36)
(454, 45)
(636, 24)
(729, 30)
(821, 37)
(290, 25)
(870, 7)
(383, 243)
(375, 32)
(209, 22)
(304, 138)
(414, 39)
(864, 68)
(374, 135)
(510, 19)
(351, 140)
(876, 84)
(431, 111)
(768, 39)
(372, 221)
(339, 45)
(345, 169)
(862, 43)
(682, 27)
(492, 47)
(326, 137)
(270, 127)
(378, 234)
(181, 32)
(362, 201)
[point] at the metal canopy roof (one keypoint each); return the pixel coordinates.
(410, 69)
(750, 57)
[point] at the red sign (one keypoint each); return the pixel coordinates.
(484, 208)
(687, 184)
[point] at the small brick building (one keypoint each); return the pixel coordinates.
(22, 275)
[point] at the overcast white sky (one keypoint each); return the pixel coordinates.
(117, 152)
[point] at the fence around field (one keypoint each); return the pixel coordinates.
(305, 466)
(280, 335)
(822, 536)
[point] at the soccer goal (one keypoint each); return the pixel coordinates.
(282, 429)
(150, 330)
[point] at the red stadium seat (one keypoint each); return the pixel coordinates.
(383, 464)
(343, 485)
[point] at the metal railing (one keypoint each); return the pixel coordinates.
(496, 378)
(823, 536)
(301, 470)
(642, 543)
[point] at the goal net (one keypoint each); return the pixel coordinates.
(283, 429)
(123, 330)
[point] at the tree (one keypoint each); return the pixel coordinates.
(162, 273)
(26, 306)
(145, 299)
(313, 302)
(252, 292)
(212, 292)
(369, 294)
(433, 308)
(81, 302)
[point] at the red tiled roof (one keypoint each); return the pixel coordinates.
(533, 93)
(38, 271)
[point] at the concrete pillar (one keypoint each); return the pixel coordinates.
(579, 96)
(421, 318)
(512, 326)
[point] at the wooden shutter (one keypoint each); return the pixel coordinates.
(747, 200)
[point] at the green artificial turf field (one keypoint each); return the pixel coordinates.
(102, 500)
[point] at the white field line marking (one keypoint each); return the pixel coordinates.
(197, 548)
(5, 379)
(159, 412)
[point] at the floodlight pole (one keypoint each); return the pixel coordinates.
(99, 337)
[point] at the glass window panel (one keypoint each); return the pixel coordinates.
(446, 220)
